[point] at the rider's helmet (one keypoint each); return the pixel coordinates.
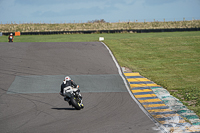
(67, 78)
(11, 34)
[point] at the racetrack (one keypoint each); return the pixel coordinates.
(30, 78)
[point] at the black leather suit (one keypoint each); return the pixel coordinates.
(68, 83)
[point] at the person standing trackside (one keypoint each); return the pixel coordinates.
(10, 38)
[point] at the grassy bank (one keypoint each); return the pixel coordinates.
(31, 27)
(171, 60)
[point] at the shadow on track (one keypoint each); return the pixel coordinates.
(64, 108)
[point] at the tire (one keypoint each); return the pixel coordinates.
(74, 103)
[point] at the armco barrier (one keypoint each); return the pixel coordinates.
(107, 31)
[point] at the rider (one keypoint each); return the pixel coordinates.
(67, 82)
(10, 37)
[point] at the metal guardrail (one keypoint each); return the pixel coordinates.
(107, 31)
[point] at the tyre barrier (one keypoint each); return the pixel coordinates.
(166, 109)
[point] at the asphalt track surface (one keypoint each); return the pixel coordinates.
(30, 78)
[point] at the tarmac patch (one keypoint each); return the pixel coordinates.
(51, 83)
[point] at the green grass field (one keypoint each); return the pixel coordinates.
(171, 60)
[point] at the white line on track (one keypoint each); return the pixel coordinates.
(162, 128)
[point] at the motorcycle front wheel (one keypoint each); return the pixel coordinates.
(75, 103)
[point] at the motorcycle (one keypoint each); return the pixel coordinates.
(73, 97)
(10, 38)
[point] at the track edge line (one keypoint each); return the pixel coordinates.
(162, 128)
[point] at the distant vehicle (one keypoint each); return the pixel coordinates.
(10, 38)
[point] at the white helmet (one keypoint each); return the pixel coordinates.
(11, 34)
(67, 78)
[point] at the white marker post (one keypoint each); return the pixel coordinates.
(101, 38)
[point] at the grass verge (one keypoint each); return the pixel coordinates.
(171, 60)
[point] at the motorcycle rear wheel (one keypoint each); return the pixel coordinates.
(74, 103)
